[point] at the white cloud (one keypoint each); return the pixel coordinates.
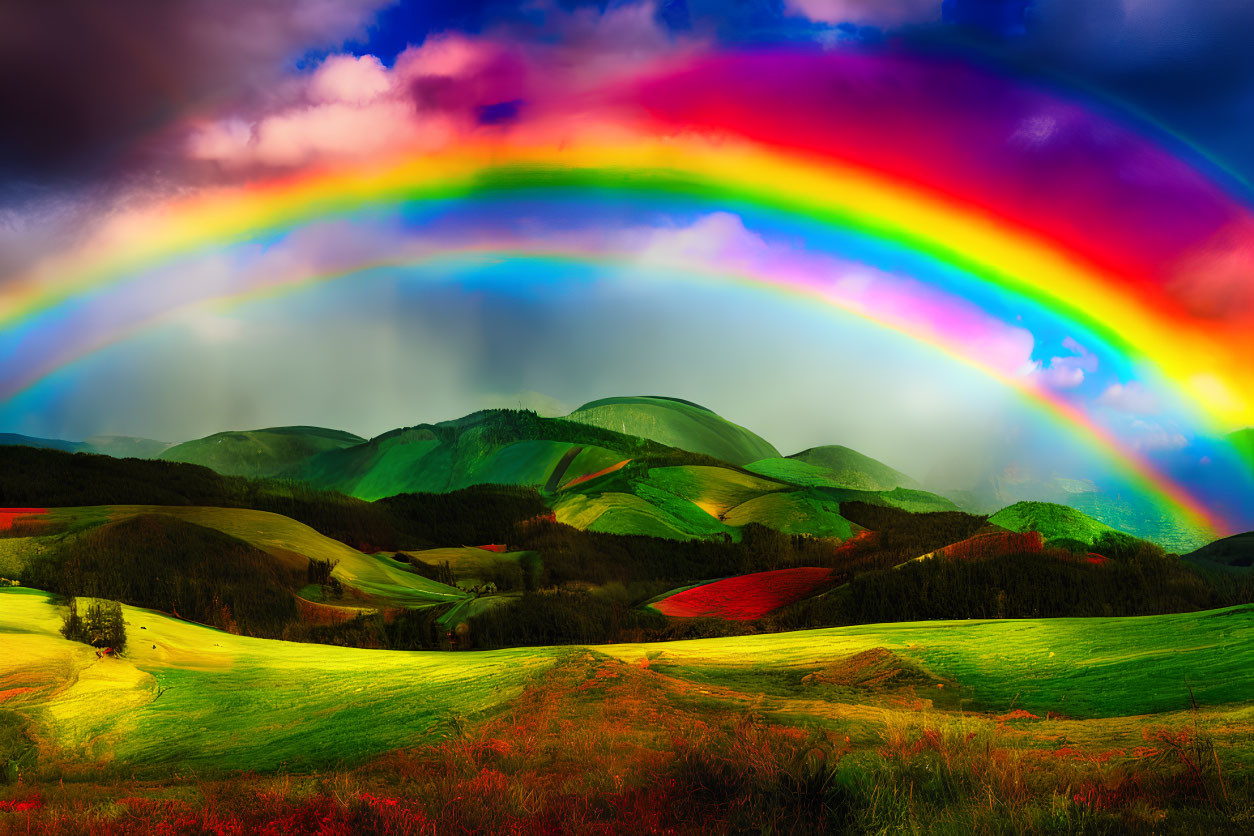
(1131, 397)
(1155, 437)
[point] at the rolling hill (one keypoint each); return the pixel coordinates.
(503, 447)
(676, 423)
(259, 453)
(1054, 522)
(845, 468)
(379, 580)
(190, 694)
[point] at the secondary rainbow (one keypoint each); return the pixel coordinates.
(721, 171)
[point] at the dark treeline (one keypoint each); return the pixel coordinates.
(51, 478)
(417, 629)
(1138, 579)
(570, 555)
(894, 536)
(581, 617)
(474, 516)
(167, 564)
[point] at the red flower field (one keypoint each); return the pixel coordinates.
(9, 515)
(745, 597)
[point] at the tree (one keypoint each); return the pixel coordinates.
(102, 626)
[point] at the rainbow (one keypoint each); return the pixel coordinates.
(714, 157)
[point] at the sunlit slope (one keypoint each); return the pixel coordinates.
(846, 468)
(616, 512)
(1053, 521)
(201, 699)
(793, 512)
(1078, 667)
(686, 501)
(676, 423)
(259, 453)
(383, 580)
(494, 447)
(205, 700)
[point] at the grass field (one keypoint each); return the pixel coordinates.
(793, 512)
(715, 490)
(1066, 725)
(190, 698)
(624, 513)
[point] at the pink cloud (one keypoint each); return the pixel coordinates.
(1068, 372)
(345, 78)
(867, 12)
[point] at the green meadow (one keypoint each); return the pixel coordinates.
(192, 698)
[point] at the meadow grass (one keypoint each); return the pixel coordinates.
(597, 745)
(192, 698)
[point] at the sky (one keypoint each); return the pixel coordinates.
(971, 238)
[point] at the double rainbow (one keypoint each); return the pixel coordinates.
(648, 159)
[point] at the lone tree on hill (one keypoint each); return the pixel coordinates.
(102, 626)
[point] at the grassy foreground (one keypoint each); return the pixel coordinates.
(1067, 725)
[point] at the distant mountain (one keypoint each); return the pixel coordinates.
(259, 453)
(118, 446)
(15, 440)
(1130, 512)
(125, 447)
(847, 468)
(677, 423)
(1053, 521)
(1233, 553)
(596, 478)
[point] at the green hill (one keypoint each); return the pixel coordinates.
(259, 453)
(1052, 521)
(502, 447)
(676, 423)
(845, 468)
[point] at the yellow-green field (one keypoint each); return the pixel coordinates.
(189, 695)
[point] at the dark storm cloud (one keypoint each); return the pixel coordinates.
(85, 81)
(1187, 63)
